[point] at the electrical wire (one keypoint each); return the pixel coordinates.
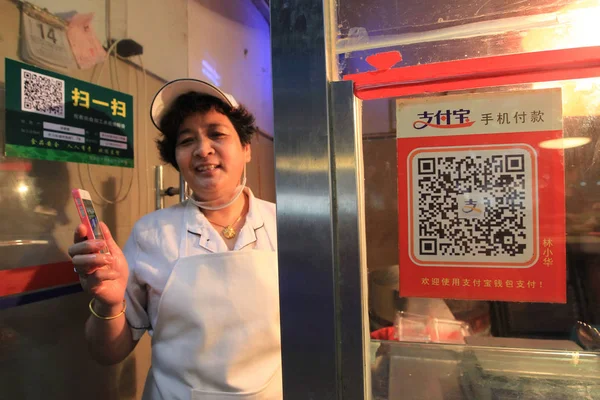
(111, 72)
(116, 66)
(110, 50)
(145, 131)
(94, 72)
(107, 21)
(89, 173)
(113, 64)
(136, 160)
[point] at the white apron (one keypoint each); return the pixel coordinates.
(217, 334)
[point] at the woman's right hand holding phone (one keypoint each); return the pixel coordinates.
(103, 275)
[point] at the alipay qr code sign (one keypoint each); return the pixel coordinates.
(481, 203)
(473, 206)
(50, 116)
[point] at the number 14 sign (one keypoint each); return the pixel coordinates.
(44, 41)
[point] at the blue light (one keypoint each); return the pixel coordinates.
(211, 73)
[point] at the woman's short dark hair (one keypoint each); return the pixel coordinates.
(191, 103)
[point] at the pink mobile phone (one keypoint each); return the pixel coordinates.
(87, 214)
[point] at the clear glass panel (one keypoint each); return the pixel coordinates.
(428, 32)
(413, 371)
(495, 373)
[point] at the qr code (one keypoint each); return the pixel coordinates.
(474, 206)
(42, 94)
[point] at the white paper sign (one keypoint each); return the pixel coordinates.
(529, 111)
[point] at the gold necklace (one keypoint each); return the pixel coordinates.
(228, 232)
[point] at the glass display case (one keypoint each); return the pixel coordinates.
(345, 74)
(410, 371)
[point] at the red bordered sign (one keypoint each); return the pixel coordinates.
(481, 197)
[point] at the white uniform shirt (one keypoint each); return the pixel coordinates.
(153, 249)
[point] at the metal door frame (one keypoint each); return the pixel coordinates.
(320, 219)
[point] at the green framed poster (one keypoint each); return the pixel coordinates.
(50, 116)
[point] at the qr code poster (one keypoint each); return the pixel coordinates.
(50, 116)
(482, 210)
(42, 94)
